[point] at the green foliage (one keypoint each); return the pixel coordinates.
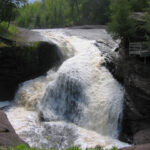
(21, 147)
(114, 148)
(8, 9)
(2, 45)
(24, 147)
(101, 148)
(138, 5)
(147, 25)
(121, 25)
(73, 148)
(8, 30)
(147, 18)
(96, 11)
(60, 13)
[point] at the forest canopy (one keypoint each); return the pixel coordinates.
(8, 9)
(60, 13)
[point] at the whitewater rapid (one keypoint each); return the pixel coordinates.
(79, 104)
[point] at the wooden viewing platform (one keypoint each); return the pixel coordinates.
(139, 48)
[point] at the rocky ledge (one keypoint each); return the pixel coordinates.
(8, 136)
(138, 147)
(24, 62)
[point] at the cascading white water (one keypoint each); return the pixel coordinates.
(80, 104)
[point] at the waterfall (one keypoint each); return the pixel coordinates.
(79, 104)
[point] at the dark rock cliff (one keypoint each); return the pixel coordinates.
(21, 63)
(134, 74)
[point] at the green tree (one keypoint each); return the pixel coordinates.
(60, 13)
(95, 11)
(8, 9)
(121, 25)
(147, 24)
(139, 5)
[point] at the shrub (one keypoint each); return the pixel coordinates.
(24, 147)
(73, 148)
(121, 25)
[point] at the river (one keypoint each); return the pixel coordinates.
(80, 103)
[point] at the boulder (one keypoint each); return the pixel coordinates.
(142, 137)
(137, 147)
(8, 136)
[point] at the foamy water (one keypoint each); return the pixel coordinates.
(80, 104)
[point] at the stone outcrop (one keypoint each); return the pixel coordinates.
(134, 74)
(138, 147)
(8, 136)
(142, 137)
(25, 62)
(137, 98)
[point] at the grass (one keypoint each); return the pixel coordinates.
(21, 147)
(24, 147)
(73, 148)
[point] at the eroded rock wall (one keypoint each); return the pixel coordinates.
(25, 62)
(134, 74)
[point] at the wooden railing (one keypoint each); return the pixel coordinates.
(139, 48)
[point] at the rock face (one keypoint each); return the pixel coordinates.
(138, 147)
(8, 136)
(21, 63)
(135, 75)
(137, 98)
(49, 56)
(142, 137)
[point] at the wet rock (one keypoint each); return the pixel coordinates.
(49, 56)
(142, 137)
(137, 98)
(25, 62)
(8, 136)
(138, 147)
(134, 74)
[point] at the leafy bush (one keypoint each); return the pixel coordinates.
(101, 148)
(21, 147)
(73, 148)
